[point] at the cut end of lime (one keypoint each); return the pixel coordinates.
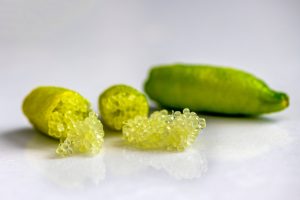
(119, 103)
(71, 108)
(164, 131)
(77, 127)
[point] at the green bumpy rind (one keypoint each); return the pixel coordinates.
(65, 115)
(120, 103)
(212, 89)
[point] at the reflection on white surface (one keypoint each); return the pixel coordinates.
(77, 171)
(236, 139)
(70, 172)
(224, 139)
(189, 164)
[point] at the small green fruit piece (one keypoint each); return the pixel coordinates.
(212, 89)
(119, 103)
(65, 115)
(163, 131)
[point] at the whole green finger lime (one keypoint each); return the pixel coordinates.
(119, 103)
(212, 89)
(65, 115)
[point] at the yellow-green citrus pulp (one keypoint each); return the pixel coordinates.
(163, 131)
(119, 103)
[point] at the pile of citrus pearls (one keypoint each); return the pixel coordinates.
(161, 130)
(85, 136)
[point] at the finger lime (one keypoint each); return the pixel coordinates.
(212, 89)
(65, 115)
(119, 103)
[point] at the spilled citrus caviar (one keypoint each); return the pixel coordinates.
(83, 136)
(175, 131)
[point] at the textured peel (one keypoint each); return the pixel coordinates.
(119, 103)
(175, 131)
(213, 89)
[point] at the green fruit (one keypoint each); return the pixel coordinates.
(119, 103)
(65, 115)
(212, 89)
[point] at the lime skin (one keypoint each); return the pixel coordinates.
(212, 89)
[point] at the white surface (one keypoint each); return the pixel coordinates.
(89, 45)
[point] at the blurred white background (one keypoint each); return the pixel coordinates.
(88, 45)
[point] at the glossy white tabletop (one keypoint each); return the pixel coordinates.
(89, 45)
